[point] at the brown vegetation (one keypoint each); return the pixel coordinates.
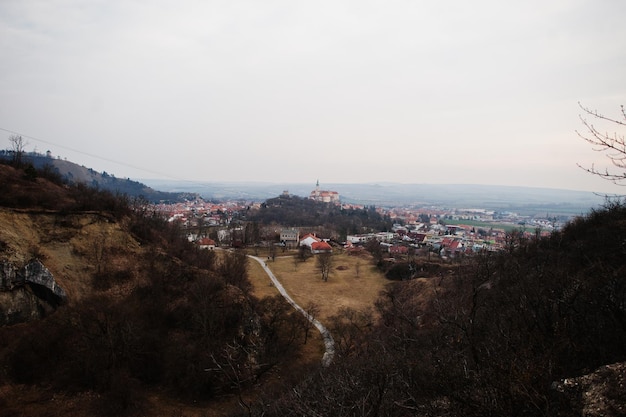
(152, 322)
(155, 326)
(492, 338)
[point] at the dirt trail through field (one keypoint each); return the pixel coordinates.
(329, 343)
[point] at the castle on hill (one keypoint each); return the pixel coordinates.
(324, 196)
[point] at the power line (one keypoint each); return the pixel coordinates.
(93, 156)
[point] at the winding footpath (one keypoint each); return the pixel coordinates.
(329, 343)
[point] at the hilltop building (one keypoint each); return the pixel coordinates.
(324, 196)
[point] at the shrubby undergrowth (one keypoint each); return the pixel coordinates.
(492, 341)
(172, 318)
(490, 338)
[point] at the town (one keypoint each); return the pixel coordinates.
(438, 231)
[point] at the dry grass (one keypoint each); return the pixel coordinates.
(261, 285)
(66, 245)
(344, 288)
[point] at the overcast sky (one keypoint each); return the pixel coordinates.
(368, 91)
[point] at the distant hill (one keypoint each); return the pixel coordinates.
(501, 198)
(74, 173)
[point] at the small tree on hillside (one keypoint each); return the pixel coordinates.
(234, 269)
(17, 147)
(312, 309)
(613, 145)
(374, 247)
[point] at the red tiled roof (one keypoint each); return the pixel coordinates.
(320, 246)
(312, 236)
(399, 249)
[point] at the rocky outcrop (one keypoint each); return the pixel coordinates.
(28, 293)
(35, 273)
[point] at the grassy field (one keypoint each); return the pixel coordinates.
(353, 282)
(507, 227)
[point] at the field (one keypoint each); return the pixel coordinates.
(507, 227)
(353, 282)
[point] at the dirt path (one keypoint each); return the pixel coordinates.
(329, 343)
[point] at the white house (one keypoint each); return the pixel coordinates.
(308, 240)
(206, 243)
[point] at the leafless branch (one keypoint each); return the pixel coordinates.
(612, 145)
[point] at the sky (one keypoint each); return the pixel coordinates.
(286, 91)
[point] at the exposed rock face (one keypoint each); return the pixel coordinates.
(36, 273)
(28, 293)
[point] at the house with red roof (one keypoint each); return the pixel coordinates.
(309, 239)
(206, 243)
(321, 247)
(398, 250)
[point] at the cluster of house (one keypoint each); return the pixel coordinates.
(422, 230)
(211, 214)
(288, 237)
(447, 241)
(291, 238)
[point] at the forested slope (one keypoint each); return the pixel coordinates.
(151, 323)
(505, 334)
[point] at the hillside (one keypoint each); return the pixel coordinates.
(148, 323)
(536, 330)
(73, 173)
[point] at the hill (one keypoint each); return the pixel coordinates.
(107, 309)
(73, 173)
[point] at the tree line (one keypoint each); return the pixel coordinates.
(304, 212)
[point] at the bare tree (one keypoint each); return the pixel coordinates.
(234, 269)
(324, 264)
(303, 253)
(374, 247)
(312, 309)
(235, 370)
(613, 145)
(17, 147)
